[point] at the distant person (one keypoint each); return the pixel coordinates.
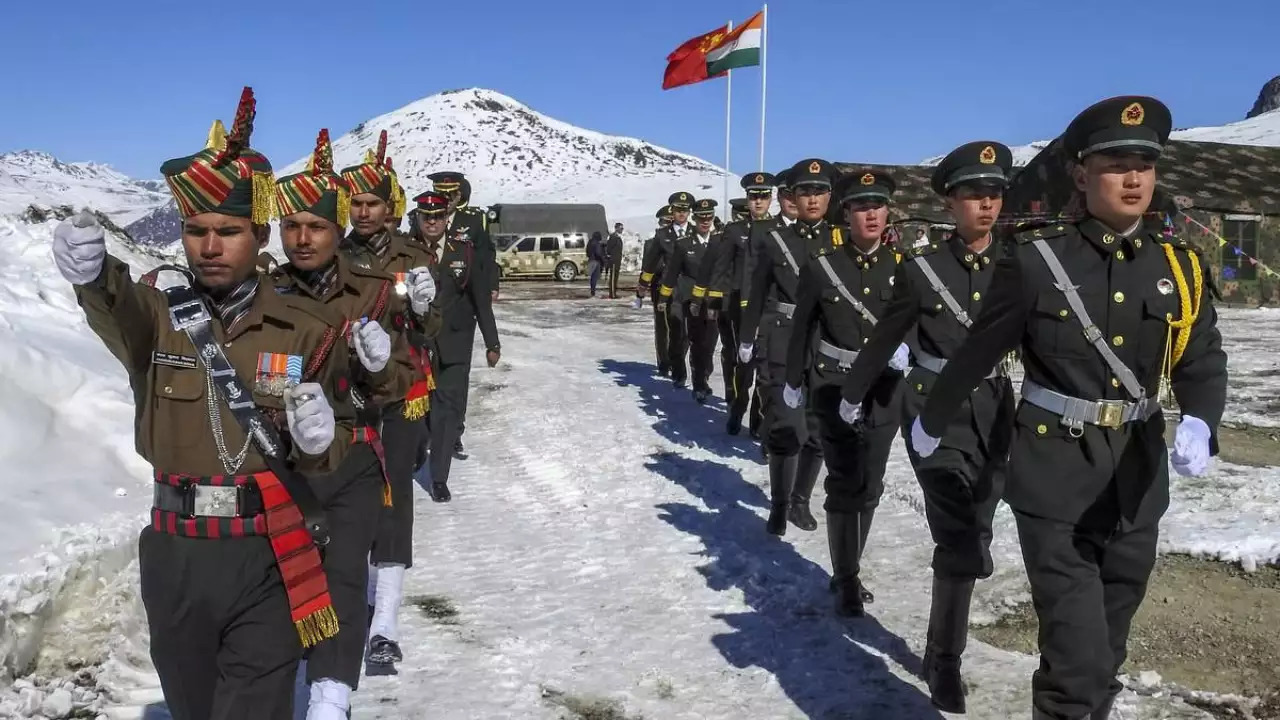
(613, 259)
(595, 259)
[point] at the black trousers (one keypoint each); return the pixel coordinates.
(960, 513)
(1086, 583)
(701, 332)
(677, 341)
(737, 376)
(786, 430)
(448, 411)
(221, 638)
(401, 440)
(661, 328)
(352, 499)
(614, 269)
(856, 456)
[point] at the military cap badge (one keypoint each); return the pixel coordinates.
(1133, 114)
(868, 179)
(815, 167)
(759, 179)
(987, 156)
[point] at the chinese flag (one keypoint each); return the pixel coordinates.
(687, 64)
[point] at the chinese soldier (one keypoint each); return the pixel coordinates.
(660, 322)
(1105, 311)
(653, 265)
(241, 398)
(721, 279)
(375, 194)
(779, 253)
(691, 326)
(844, 289)
(473, 224)
(937, 291)
(313, 206)
(464, 301)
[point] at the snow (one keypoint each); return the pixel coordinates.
(606, 542)
(28, 177)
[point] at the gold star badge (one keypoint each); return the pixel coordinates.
(815, 167)
(759, 179)
(1133, 114)
(987, 156)
(868, 179)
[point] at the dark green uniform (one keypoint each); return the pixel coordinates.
(692, 327)
(1088, 469)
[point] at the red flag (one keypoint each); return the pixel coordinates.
(687, 64)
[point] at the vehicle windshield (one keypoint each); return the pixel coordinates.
(502, 242)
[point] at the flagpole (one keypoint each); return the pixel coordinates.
(728, 114)
(764, 57)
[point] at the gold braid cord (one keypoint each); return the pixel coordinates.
(1189, 298)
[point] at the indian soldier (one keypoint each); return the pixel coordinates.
(844, 289)
(242, 399)
(313, 206)
(464, 301)
(937, 291)
(721, 279)
(613, 259)
(779, 252)
(692, 326)
(657, 256)
(473, 223)
(375, 194)
(1106, 311)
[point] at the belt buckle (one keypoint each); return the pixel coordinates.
(188, 314)
(211, 501)
(1110, 414)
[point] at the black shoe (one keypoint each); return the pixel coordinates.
(865, 594)
(734, 426)
(460, 450)
(663, 370)
(383, 651)
(753, 432)
(440, 492)
(701, 396)
(800, 516)
(680, 383)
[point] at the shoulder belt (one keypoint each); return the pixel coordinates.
(857, 305)
(941, 288)
(1091, 332)
(786, 252)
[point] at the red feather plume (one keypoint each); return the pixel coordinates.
(241, 129)
(382, 148)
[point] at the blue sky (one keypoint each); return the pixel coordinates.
(136, 82)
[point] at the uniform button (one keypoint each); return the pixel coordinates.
(230, 344)
(168, 390)
(919, 387)
(1040, 429)
(1108, 238)
(986, 260)
(866, 291)
(1118, 297)
(1168, 317)
(1120, 255)
(1115, 383)
(937, 307)
(1062, 313)
(968, 257)
(1117, 340)
(977, 296)
(866, 340)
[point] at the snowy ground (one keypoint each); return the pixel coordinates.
(606, 541)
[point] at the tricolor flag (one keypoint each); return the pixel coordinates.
(739, 48)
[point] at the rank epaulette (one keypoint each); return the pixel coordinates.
(149, 278)
(823, 251)
(1042, 232)
(923, 250)
(837, 237)
(897, 257)
(1181, 243)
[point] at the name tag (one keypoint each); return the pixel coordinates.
(179, 361)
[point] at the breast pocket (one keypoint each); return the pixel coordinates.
(1157, 314)
(179, 405)
(1056, 330)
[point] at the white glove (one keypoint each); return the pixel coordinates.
(792, 396)
(422, 289)
(79, 248)
(922, 442)
(901, 359)
(637, 303)
(745, 351)
(1190, 455)
(849, 412)
(310, 418)
(372, 345)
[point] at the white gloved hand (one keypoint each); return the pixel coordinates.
(922, 442)
(310, 418)
(79, 248)
(792, 396)
(422, 289)
(901, 359)
(1190, 454)
(849, 412)
(745, 351)
(637, 303)
(372, 345)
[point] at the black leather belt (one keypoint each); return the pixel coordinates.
(194, 500)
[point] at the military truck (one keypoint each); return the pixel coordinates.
(545, 239)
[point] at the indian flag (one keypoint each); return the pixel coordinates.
(740, 48)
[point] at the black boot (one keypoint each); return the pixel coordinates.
(782, 473)
(1104, 710)
(842, 539)
(734, 426)
(948, 633)
(460, 450)
(864, 529)
(807, 470)
(440, 493)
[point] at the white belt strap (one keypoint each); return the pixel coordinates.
(940, 287)
(786, 252)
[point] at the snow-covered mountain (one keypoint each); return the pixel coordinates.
(1261, 129)
(513, 154)
(29, 177)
